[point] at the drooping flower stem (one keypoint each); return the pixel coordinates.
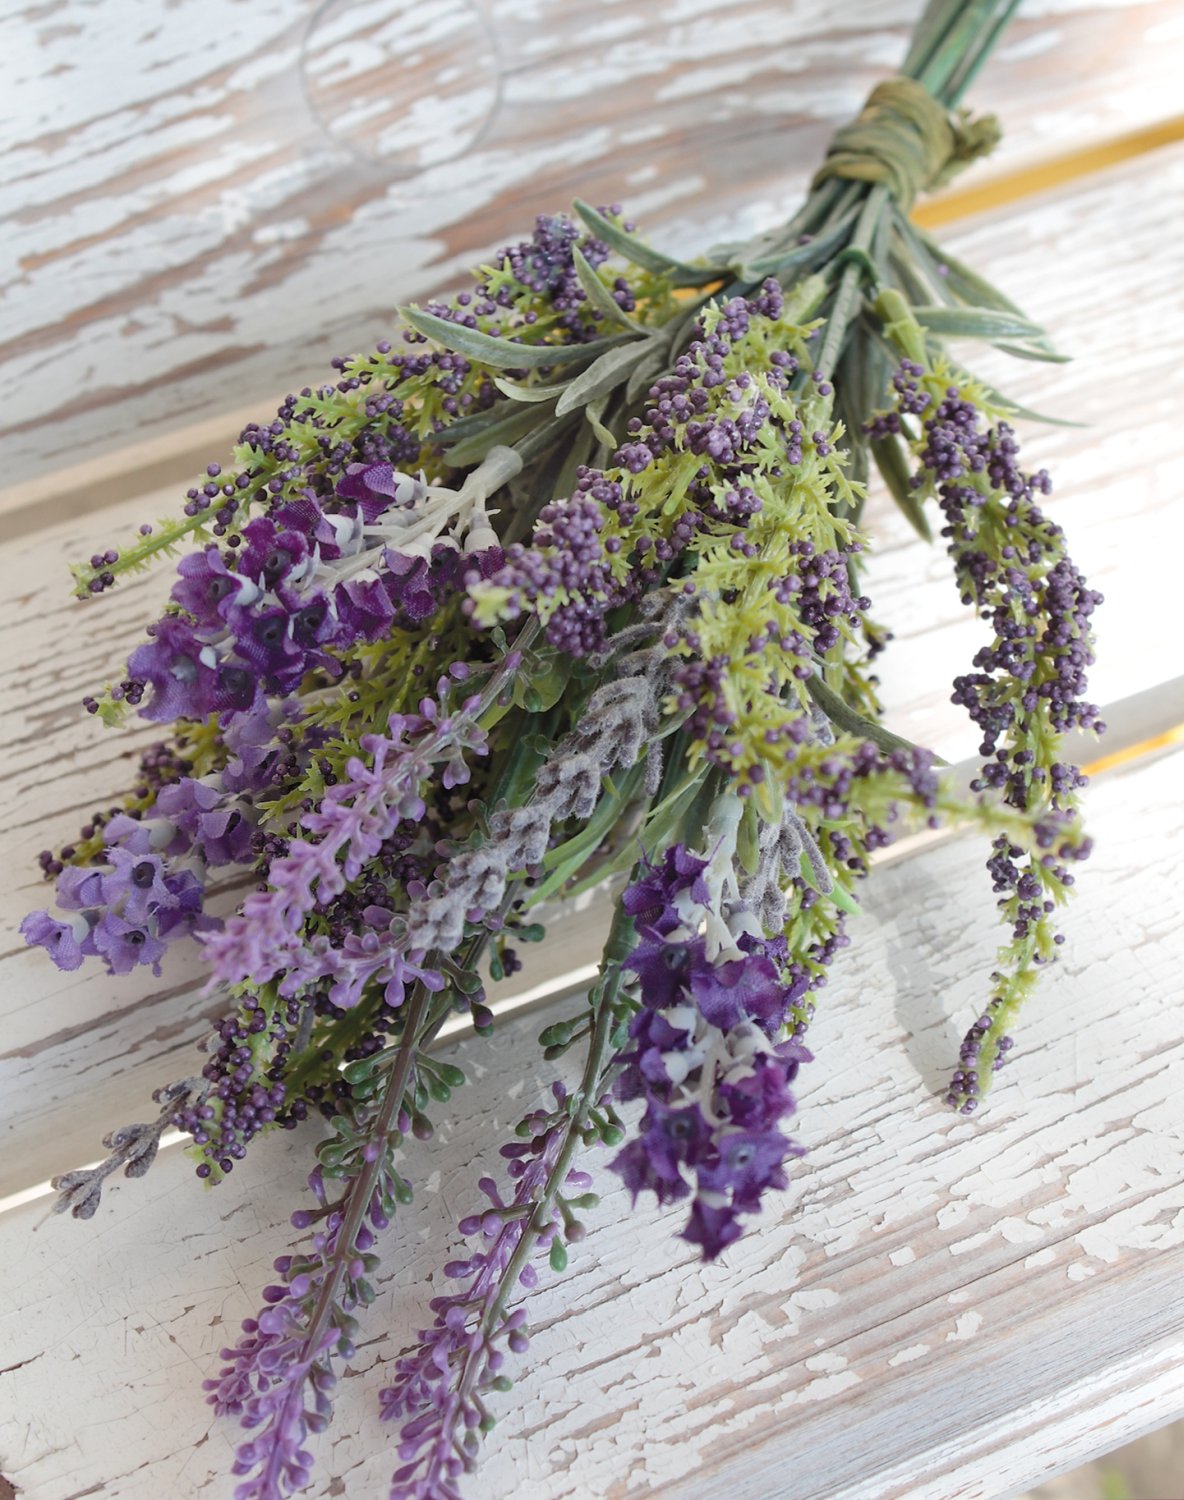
(597, 1061)
(596, 1064)
(362, 1187)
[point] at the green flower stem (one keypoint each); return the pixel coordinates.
(963, 36)
(361, 1189)
(597, 1062)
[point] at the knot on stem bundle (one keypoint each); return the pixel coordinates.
(905, 139)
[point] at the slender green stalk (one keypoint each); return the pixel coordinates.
(362, 1187)
(596, 1062)
(846, 303)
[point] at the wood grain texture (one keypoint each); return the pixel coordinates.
(937, 1308)
(78, 1050)
(204, 202)
(946, 1309)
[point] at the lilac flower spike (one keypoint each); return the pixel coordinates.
(310, 581)
(355, 819)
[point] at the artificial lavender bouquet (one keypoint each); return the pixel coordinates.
(558, 589)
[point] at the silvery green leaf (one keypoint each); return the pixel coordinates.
(962, 281)
(594, 416)
(539, 439)
(640, 254)
(470, 426)
(799, 257)
(1039, 352)
(648, 368)
(1016, 410)
(498, 354)
(976, 323)
(605, 374)
(854, 722)
(529, 393)
(904, 273)
(599, 295)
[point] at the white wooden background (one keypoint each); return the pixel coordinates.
(941, 1307)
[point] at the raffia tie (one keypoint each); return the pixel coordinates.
(904, 138)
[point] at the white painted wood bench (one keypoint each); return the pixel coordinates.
(937, 1307)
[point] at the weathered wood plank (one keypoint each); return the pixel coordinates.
(183, 189)
(77, 1051)
(938, 1307)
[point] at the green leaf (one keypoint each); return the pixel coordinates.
(842, 897)
(839, 894)
(649, 366)
(976, 323)
(890, 459)
(612, 369)
(680, 272)
(508, 431)
(599, 295)
(1025, 412)
(900, 326)
(748, 840)
(848, 718)
(1043, 354)
(594, 416)
(529, 393)
(498, 354)
(965, 283)
(805, 257)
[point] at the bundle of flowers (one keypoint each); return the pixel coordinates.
(559, 588)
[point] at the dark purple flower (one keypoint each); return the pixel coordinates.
(364, 607)
(746, 1162)
(376, 487)
(207, 588)
(271, 554)
(713, 1227)
(701, 1053)
(172, 666)
(650, 899)
(670, 1140)
(728, 993)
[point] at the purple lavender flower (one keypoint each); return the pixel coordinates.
(1027, 686)
(61, 940)
(303, 584)
(286, 1354)
(702, 1055)
(353, 822)
(438, 1385)
(545, 264)
(131, 906)
(613, 538)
